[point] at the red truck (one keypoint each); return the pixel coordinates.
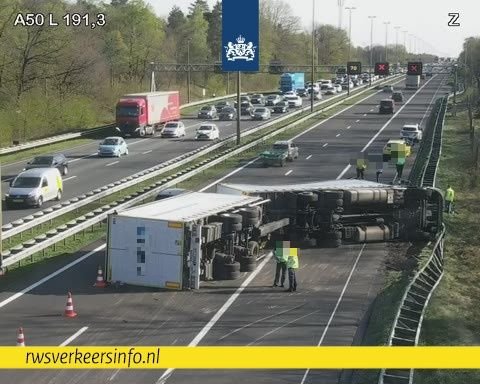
(140, 114)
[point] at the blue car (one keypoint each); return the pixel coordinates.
(113, 146)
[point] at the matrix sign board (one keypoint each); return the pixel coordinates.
(382, 69)
(354, 68)
(414, 68)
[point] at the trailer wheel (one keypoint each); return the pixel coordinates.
(231, 271)
(307, 197)
(233, 218)
(250, 221)
(236, 227)
(248, 264)
(250, 212)
(142, 132)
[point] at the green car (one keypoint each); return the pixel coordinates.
(281, 152)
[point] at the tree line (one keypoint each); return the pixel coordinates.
(55, 79)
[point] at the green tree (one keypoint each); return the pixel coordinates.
(214, 34)
(198, 5)
(176, 20)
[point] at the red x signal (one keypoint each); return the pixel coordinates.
(381, 67)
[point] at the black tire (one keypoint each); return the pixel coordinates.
(250, 221)
(380, 220)
(250, 212)
(253, 249)
(232, 267)
(247, 264)
(308, 243)
(282, 163)
(339, 202)
(232, 275)
(307, 197)
(39, 202)
(236, 227)
(64, 170)
(142, 132)
(335, 218)
(219, 258)
(59, 195)
(233, 218)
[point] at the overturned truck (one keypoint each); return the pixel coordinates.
(177, 242)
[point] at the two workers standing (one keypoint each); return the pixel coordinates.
(287, 259)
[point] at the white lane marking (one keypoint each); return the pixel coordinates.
(338, 134)
(227, 125)
(69, 178)
(219, 314)
(371, 110)
(308, 157)
(81, 158)
(356, 121)
(73, 337)
(431, 102)
(349, 127)
(336, 306)
(136, 142)
(144, 153)
(49, 277)
(384, 126)
(364, 114)
(114, 375)
(289, 172)
(109, 164)
(324, 145)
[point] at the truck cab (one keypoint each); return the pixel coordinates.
(131, 117)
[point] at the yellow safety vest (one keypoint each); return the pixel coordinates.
(449, 195)
(292, 262)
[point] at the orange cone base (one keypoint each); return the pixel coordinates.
(70, 314)
(100, 284)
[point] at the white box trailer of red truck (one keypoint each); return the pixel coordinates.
(140, 114)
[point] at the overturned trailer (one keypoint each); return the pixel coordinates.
(179, 241)
(348, 211)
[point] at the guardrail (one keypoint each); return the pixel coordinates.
(87, 132)
(28, 222)
(407, 324)
(62, 232)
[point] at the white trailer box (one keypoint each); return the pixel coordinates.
(157, 244)
(413, 81)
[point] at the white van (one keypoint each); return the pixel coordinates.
(35, 186)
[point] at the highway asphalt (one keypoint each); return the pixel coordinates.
(87, 171)
(336, 286)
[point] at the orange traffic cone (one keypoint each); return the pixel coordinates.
(20, 338)
(69, 312)
(100, 283)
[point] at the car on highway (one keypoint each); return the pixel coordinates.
(273, 100)
(386, 106)
(113, 146)
(207, 112)
(173, 129)
(222, 104)
(347, 85)
(398, 146)
(302, 92)
(294, 101)
(281, 152)
(207, 132)
(331, 90)
(227, 113)
(257, 98)
(338, 88)
(281, 107)
(411, 132)
(35, 186)
(261, 113)
(58, 161)
(246, 108)
(397, 97)
(387, 88)
(358, 81)
(245, 98)
(290, 93)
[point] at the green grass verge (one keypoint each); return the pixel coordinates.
(52, 148)
(452, 315)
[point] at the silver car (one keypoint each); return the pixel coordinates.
(261, 114)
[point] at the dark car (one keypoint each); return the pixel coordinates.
(222, 104)
(246, 108)
(258, 98)
(53, 161)
(207, 112)
(281, 107)
(387, 106)
(302, 92)
(227, 113)
(397, 97)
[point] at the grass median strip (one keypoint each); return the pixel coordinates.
(195, 182)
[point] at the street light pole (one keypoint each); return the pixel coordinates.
(396, 42)
(188, 70)
(386, 39)
(313, 57)
(350, 9)
(371, 48)
(238, 107)
(405, 40)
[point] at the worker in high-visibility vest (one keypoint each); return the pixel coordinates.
(400, 164)
(292, 265)
(449, 196)
(361, 166)
(281, 257)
